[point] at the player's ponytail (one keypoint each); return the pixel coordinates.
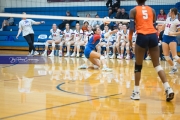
(94, 30)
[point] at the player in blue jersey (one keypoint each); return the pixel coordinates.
(93, 56)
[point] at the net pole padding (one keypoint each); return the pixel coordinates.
(63, 17)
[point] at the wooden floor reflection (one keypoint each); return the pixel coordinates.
(59, 91)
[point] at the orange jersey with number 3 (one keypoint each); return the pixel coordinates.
(144, 20)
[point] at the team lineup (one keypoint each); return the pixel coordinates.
(123, 40)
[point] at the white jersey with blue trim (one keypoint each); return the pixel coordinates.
(125, 36)
(88, 34)
(104, 32)
(68, 34)
(55, 34)
(118, 34)
(171, 25)
(77, 34)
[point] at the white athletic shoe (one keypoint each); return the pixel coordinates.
(106, 69)
(66, 55)
(148, 58)
(169, 94)
(44, 54)
(173, 70)
(73, 55)
(113, 56)
(118, 56)
(127, 57)
(36, 53)
(51, 55)
(30, 54)
(82, 67)
(135, 96)
(60, 53)
(83, 56)
(121, 57)
(77, 55)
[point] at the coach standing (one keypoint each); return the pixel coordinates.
(25, 25)
(113, 6)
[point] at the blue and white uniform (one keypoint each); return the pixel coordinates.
(93, 41)
(105, 39)
(170, 26)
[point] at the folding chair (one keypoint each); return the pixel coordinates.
(42, 38)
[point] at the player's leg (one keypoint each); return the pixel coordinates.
(68, 48)
(127, 51)
(166, 52)
(173, 48)
(80, 43)
(140, 49)
(118, 49)
(28, 39)
(154, 52)
(114, 51)
(122, 49)
(74, 50)
(53, 42)
(46, 47)
(34, 52)
(61, 47)
(107, 48)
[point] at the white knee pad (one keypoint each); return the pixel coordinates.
(122, 48)
(53, 44)
(176, 57)
(167, 58)
(46, 44)
(158, 68)
(127, 48)
(102, 57)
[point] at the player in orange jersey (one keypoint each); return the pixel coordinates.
(142, 18)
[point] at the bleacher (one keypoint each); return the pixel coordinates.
(102, 11)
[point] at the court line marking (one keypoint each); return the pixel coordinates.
(56, 107)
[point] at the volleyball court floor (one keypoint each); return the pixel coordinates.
(58, 90)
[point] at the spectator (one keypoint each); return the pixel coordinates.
(162, 16)
(97, 22)
(123, 14)
(89, 21)
(8, 22)
(118, 13)
(62, 25)
(113, 5)
(85, 26)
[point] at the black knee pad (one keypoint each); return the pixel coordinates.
(138, 68)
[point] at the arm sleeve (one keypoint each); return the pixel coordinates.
(96, 37)
(20, 24)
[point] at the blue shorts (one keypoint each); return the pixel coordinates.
(104, 41)
(87, 52)
(147, 41)
(112, 42)
(168, 39)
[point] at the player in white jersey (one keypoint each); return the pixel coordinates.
(117, 43)
(134, 37)
(67, 40)
(56, 39)
(125, 42)
(78, 39)
(104, 41)
(170, 42)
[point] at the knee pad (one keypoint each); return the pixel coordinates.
(176, 57)
(138, 68)
(46, 44)
(167, 58)
(53, 44)
(127, 48)
(122, 48)
(158, 68)
(102, 57)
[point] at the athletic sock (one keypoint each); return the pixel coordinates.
(166, 85)
(136, 88)
(105, 66)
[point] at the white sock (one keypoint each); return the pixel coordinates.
(45, 51)
(136, 88)
(95, 67)
(52, 51)
(104, 66)
(60, 51)
(166, 85)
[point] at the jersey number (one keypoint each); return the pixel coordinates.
(168, 25)
(145, 14)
